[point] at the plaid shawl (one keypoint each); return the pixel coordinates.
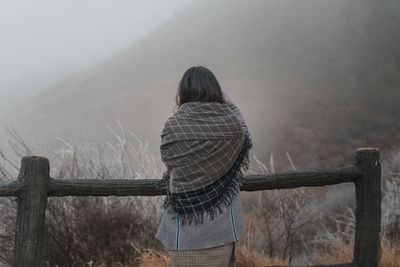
(204, 146)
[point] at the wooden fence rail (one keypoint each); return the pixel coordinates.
(34, 186)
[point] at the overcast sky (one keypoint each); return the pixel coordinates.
(43, 40)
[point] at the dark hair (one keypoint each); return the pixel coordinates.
(198, 84)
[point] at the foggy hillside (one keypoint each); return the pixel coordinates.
(313, 78)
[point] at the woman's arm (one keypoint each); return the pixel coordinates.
(234, 107)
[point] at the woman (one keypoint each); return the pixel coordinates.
(205, 146)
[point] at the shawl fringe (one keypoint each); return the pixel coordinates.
(223, 201)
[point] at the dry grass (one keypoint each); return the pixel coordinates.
(250, 253)
(331, 255)
(246, 258)
(247, 255)
(389, 257)
(151, 258)
(107, 231)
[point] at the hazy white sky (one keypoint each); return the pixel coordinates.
(42, 40)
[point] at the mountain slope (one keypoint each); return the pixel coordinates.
(313, 78)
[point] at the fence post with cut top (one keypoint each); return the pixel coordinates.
(34, 185)
(32, 200)
(368, 207)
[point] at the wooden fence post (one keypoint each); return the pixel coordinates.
(34, 185)
(368, 207)
(32, 200)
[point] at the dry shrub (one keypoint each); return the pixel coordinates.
(389, 257)
(153, 258)
(248, 258)
(94, 230)
(391, 197)
(245, 258)
(331, 254)
(89, 231)
(110, 231)
(249, 253)
(389, 254)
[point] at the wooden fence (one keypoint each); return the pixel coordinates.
(34, 186)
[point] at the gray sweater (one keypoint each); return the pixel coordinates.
(225, 228)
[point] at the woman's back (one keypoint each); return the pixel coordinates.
(225, 228)
(205, 147)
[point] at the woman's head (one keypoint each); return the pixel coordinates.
(198, 84)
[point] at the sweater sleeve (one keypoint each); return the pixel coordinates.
(234, 107)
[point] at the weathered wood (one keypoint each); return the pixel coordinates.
(10, 189)
(286, 180)
(32, 200)
(110, 187)
(147, 187)
(34, 185)
(368, 207)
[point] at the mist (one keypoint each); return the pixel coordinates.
(89, 85)
(305, 74)
(44, 41)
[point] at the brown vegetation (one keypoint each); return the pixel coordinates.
(246, 258)
(283, 227)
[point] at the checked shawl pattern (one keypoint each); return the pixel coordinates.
(204, 146)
